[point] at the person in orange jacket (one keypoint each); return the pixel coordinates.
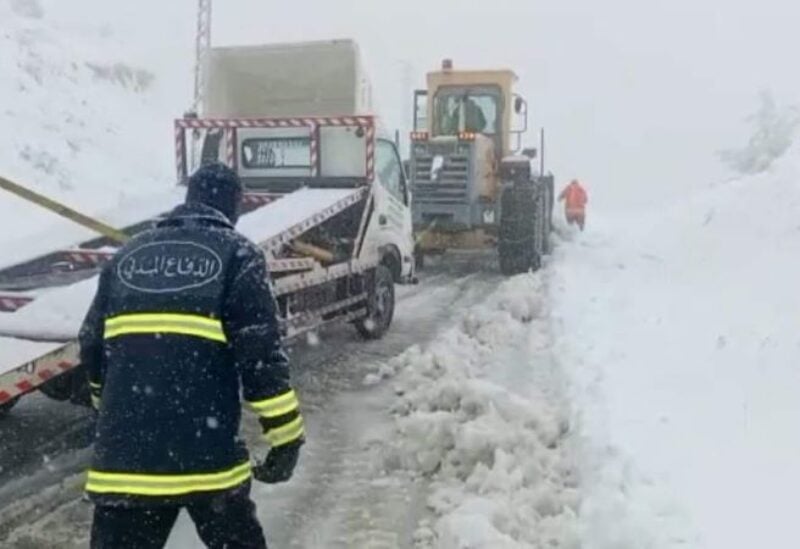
(575, 199)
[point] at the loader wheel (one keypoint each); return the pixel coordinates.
(520, 240)
(380, 307)
(6, 406)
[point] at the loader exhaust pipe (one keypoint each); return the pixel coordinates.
(541, 152)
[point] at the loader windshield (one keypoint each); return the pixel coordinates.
(467, 110)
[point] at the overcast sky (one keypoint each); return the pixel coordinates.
(636, 95)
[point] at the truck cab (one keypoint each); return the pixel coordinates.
(323, 133)
(281, 160)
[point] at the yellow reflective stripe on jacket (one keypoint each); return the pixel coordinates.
(286, 433)
(165, 323)
(96, 402)
(276, 406)
(166, 485)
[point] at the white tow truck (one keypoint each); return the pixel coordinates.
(326, 199)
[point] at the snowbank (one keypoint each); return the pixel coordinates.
(479, 413)
(678, 331)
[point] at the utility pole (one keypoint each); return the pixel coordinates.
(202, 49)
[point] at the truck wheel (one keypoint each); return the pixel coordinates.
(520, 239)
(380, 307)
(6, 406)
(69, 386)
(59, 388)
(419, 259)
(392, 261)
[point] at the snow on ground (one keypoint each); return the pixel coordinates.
(480, 413)
(459, 441)
(678, 331)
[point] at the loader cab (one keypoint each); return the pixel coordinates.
(465, 103)
(465, 123)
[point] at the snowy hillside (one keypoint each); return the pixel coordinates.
(87, 106)
(679, 330)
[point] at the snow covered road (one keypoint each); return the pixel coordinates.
(339, 494)
(633, 395)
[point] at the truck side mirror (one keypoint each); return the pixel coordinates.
(530, 153)
(519, 103)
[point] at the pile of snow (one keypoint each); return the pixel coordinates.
(89, 92)
(678, 331)
(480, 414)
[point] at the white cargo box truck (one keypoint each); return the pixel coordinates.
(325, 78)
(327, 201)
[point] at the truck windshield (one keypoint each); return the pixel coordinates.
(467, 110)
(276, 152)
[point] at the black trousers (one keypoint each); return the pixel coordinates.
(227, 522)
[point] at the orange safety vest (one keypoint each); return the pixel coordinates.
(575, 199)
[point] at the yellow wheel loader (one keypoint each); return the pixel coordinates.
(473, 187)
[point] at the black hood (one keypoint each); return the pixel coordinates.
(217, 186)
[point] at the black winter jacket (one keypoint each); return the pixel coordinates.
(183, 322)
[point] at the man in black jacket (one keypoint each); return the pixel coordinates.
(184, 322)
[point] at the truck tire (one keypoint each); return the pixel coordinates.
(380, 306)
(59, 388)
(70, 386)
(391, 260)
(419, 259)
(520, 237)
(6, 407)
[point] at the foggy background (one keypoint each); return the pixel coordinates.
(637, 96)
